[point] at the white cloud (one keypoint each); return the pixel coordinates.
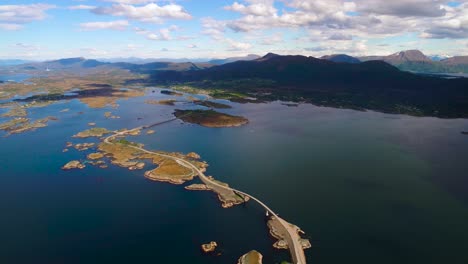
(150, 13)
(81, 7)
(257, 9)
(236, 45)
(163, 34)
(12, 17)
(11, 27)
(131, 2)
(113, 25)
(192, 46)
(403, 8)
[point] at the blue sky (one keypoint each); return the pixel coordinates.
(50, 29)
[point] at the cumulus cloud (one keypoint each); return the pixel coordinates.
(112, 25)
(163, 34)
(340, 36)
(264, 8)
(81, 7)
(12, 17)
(453, 25)
(236, 45)
(343, 23)
(403, 8)
(150, 13)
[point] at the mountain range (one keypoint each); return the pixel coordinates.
(416, 61)
(409, 60)
(373, 84)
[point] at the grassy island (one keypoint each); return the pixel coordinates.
(92, 132)
(210, 118)
(253, 257)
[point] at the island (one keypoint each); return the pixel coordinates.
(16, 111)
(95, 156)
(92, 132)
(278, 231)
(209, 247)
(84, 146)
(21, 124)
(210, 118)
(74, 164)
(161, 102)
(252, 257)
(464, 132)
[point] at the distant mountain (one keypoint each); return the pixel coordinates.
(341, 58)
(458, 60)
(13, 62)
(368, 85)
(416, 61)
(81, 65)
(148, 68)
(400, 57)
(135, 60)
(438, 57)
(233, 59)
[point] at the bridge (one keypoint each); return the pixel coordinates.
(291, 232)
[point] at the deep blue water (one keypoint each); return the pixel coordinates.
(366, 187)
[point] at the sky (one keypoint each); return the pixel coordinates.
(52, 29)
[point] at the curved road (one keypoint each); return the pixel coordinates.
(293, 238)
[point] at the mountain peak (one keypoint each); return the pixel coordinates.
(69, 61)
(269, 56)
(410, 55)
(340, 58)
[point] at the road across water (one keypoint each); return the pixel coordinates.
(292, 238)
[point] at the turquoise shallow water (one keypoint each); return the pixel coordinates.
(366, 187)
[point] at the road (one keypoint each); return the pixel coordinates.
(293, 238)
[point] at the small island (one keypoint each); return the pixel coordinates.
(464, 132)
(74, 164)
(278, 231)
(95, 156)
(210, 118)
(161, 102)
(83, 146)
(93, 132)
(252, 257)
(209, 247)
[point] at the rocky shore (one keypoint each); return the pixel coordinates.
(197, 187)
(279, 232)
